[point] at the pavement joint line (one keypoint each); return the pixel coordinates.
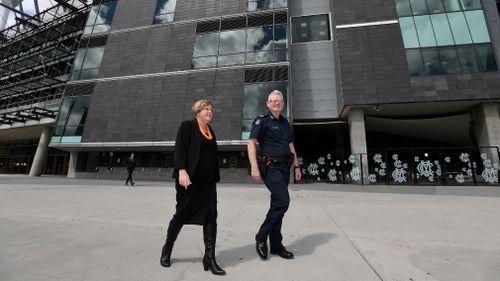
(352, 243)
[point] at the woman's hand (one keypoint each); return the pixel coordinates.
(184, 180)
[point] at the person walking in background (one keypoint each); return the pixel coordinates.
(196, 171)
(130, 164)
(273, 134)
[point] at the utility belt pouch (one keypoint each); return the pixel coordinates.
(263, 164)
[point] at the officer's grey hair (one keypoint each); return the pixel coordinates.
(275, 92)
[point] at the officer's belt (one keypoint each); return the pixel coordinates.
(276, 160)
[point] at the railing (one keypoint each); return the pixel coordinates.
(407, 166)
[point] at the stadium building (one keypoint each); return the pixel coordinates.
(402, 92)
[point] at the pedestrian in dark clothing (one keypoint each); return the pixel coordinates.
(196, 170)
(277, 152)
(130, 164)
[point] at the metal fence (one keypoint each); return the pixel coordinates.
(407, 166)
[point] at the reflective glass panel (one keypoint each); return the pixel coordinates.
(418, 7)
(320, 29)
(280, 4)
(159, 19)
(449, 61)
(459, 28)
(486, 58)
(415, 62)
(101, 28)
(80, 55)
(300, 29)
(431, 61)
(232, 41)
(452, 5)
(260, 5)
(471, 4)
(435, 6)
(281, 55)
(409, 33)
(78, 113)
(106, 13)
(226, 60)
(403, 8)
(280, 37)
(206, 44)
(260, 38)
(425, 31)
(468, 59)
(93, 58)
(204, 62)
(165, 7)
(92, 16)
(256, 57)
(477, 26)
(442, 30)
(88, 73)
(62, 116)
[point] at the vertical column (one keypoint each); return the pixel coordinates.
(41, 152)
(358, 138)
(486, 126)
(72, 164)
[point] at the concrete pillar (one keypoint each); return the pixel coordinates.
(41, 152)
(486, 126)
(72, 164)
(357, 134)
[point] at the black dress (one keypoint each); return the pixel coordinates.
(198, 203)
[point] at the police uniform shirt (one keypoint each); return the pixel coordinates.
(274, 135)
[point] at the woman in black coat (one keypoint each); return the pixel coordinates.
(196, 170)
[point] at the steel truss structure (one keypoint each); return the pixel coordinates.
(36, 55)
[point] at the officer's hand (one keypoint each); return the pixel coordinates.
(255, 174)
(298, 174)
(184, 180)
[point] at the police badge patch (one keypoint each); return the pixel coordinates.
(257, 122)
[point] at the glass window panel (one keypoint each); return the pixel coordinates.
(471, 4)
(159, 19)
(165, 7)
(93, 58)
(62, 116)
(467, 59)
(92, 16)
(74, 75)
(101, 28)
(486, 58)
(88, 29)
(78, 112)
(280, 4)
(70, 131)
(280, 37)
(459, 28)
(260, 38)
(477, 26)
(431, 61)
(226, 60)
(409, 33)
(425, 31)
(80, 55)
(435, 6)
(415, 62)
(300, 29)
(320, 29)
(204, 62)
(232, 41)
(452, 5)
(442, 30)
(418, 7)
(206, 44)
(403, 8)
(106, 13)
(256, 57)
(88, 73)
(281, 55)
(449, 61)
(260, 5)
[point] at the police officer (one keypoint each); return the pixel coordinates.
(276, 152)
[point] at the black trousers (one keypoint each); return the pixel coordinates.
(129, 177)
(276, 180)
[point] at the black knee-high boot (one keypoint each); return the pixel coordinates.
(209, 237)
(166, 251)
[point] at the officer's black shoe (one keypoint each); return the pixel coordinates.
(261, 248)
(282, 252)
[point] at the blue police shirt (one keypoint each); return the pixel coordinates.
(274, 135)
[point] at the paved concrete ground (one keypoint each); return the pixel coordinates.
(58, 229)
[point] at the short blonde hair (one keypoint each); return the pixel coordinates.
(200, 105)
